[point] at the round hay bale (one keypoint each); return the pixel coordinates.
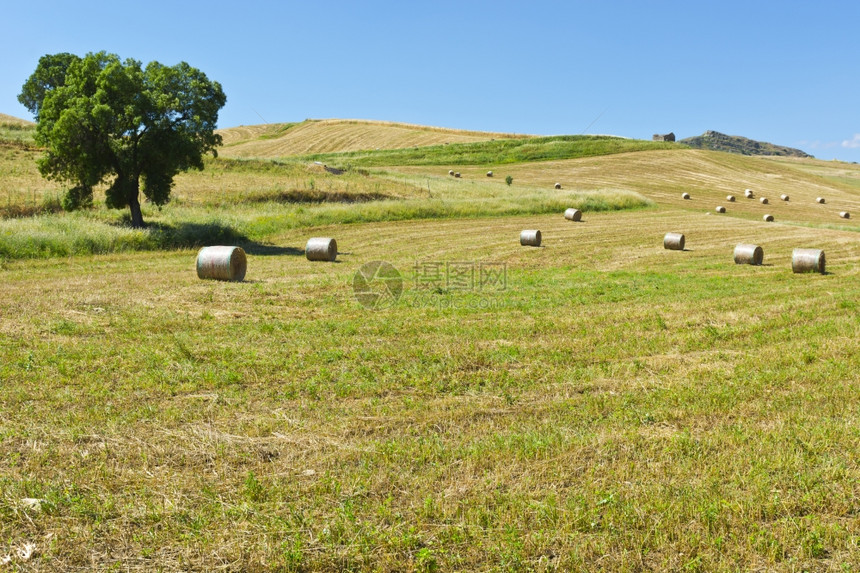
(730, 198)
(748, 193)
(819, 200)
(321, 249)
(807, 261)
(222, 263)
(558, 185)
(451, 172)
(784, 197)
(748, 255)
(763, 200)
(489, 173)
(530, 238)
(845, 214)
(457, 174)
(573, 214)
(674, 241)
(685, 195)
(768, 218)
(720, 209)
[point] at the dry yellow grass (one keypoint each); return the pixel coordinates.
(9, 119)
(707, 176)
(333, 135)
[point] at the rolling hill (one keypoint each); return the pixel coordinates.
(11, 120)
(337, 135)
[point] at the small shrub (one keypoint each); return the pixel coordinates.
(78, 198)
(509, 179)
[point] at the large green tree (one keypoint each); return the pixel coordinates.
(106, 120)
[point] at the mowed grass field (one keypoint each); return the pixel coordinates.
(608, 406)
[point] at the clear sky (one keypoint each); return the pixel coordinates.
(785, 72)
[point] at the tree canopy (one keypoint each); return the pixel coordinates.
(106, 120)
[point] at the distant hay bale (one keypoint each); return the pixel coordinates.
(768, 218)
(573, 214)
(457, 174)
(819, 200)
(222, 263)
(730, 198)
(530, 238)
(845, 214)
(321, 249)
(748, 255)
(685, 195)
(720, 209)
(748, 193)
(451, 172)
(674, 241)
(784, 197)
(763, 200)
(558, 185)
(807, 261)
(489, 173)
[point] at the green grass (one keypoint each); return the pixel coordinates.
(248, 202)
(616, 407)
(497, 152)
(258, 223)
(17, 135)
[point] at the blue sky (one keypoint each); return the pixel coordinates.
(786, 72)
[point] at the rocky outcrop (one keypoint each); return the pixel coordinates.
(716, 141)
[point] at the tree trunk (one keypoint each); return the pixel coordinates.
(134, 206)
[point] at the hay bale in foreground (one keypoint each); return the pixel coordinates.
(730, 198)
(763, 200)
(685, 195)
(807, 261)
(784, 197)
(573, 214)
(768, 218)
(530, 238)
(748, 193)
(720, 209)
(321, 249)
(845, 214)
(222, 263)
(819, 200)
(674, 241)
(748, 254)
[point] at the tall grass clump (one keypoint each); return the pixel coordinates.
(69, 234)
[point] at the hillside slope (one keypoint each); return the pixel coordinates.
(12, 120)
(708, 176)
(334, 135)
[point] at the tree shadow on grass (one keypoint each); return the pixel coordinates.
(195, 235)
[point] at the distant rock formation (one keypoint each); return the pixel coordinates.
(716, 141)
(668, 137)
